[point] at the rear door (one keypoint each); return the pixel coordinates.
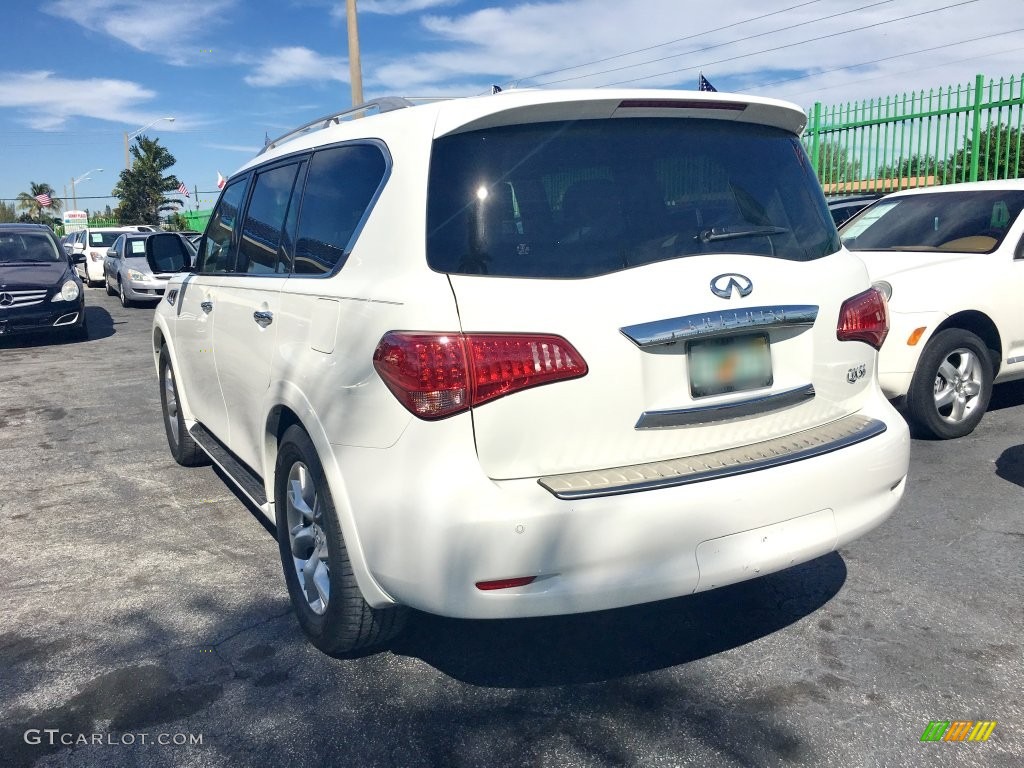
(691, 262)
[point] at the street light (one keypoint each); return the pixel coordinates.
(129, 136)
(79, 180)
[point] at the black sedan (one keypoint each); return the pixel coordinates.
(39, 290)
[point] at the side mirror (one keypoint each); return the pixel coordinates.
(77, 257)
(165, 252)
(111, 253)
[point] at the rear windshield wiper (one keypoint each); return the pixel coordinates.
(729, 233)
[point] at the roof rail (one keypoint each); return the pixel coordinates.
(379, 106)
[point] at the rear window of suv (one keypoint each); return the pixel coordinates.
(584, 198)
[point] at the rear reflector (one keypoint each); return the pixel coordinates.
(864, 317)
(435, 375)
(522, 581)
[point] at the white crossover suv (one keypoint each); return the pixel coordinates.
(533, 353)
(951, 262)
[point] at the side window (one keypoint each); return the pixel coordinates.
(216, 255)
(119, 246)
(260, 248)
(339, 187)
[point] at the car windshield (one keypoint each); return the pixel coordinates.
(103, 239)
(966, 221)
(589, 197)
(26, 246)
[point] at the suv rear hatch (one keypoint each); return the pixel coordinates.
(690, 260)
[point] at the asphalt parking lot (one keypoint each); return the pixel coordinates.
(143, 603)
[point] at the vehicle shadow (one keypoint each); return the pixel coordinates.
(1007, 395)
(607, 645)
(1010, 465)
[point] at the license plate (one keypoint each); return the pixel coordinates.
(729, 364)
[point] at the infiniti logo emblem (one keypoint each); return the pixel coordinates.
(723, 286)
(6, 300)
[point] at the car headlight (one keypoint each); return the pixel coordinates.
(96, 255)
(68, 292)
(884, 287)
(134, 274)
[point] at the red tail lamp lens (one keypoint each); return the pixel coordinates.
(864, 317)
(439, 374)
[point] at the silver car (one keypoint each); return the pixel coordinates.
(126, 273)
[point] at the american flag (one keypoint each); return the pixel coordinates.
(704, 85)
(182, 189)
(44, 200)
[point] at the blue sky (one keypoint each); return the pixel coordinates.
(77, 74)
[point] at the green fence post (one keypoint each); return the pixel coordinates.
(979, 84)
(815, 136)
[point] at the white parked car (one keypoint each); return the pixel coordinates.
(951, 259)
(533, 353)
(93, 243)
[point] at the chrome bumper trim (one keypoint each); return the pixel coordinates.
(818, 441)
(741, 409)
(724, 323)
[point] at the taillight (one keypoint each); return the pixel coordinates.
(864, 317)
(439, 374)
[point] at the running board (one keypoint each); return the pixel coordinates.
(247, 481)
(710, 466)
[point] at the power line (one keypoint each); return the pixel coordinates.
(889, 58)
(793, 45)
(908, 71)
(662, 45)
(722, 45)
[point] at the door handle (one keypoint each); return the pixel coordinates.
(207, 307)
(263, 318)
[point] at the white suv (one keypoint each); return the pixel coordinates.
(533, 353)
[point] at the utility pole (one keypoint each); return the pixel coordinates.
(127, 157)
(74, 197)
(355, 72)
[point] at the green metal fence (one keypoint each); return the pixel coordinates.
(958, 133)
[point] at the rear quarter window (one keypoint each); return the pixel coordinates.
(584, 198)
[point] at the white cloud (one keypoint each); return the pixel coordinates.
(170, 31)
(392, 7)
(296, 64)
(512, 42)
(48, 102)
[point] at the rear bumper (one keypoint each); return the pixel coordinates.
(48, 316)
(431, 532)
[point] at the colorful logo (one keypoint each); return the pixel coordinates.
(958, 730)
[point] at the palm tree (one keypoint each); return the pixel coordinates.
(27, 200)
(142, 186)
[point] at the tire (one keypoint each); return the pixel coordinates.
(125, 301)
(106, 285)
(183, 447)
(952, 385)
(330, 608)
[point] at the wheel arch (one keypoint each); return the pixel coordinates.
(982, 326)
(161, 338)
(287, 405)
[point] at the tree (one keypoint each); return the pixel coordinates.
(1000, 156)
(176, 223)
(141, 188)
(27, 200)
(8, 213)
(835, 165)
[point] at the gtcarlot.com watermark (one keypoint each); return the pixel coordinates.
(55, 736)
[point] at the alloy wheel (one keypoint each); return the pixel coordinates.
(958, 383)
(307, 538)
